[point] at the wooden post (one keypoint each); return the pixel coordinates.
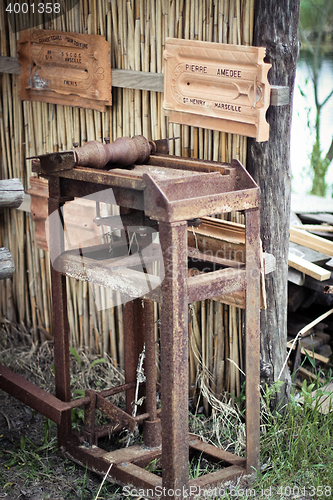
(276, 28)
(11, 196)
(7, 266)
(11, 193)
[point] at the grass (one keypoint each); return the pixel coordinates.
(296, 455)
(296, 448)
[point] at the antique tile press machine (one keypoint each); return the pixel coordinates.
(163, 194)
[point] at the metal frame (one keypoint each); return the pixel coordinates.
(187, 189)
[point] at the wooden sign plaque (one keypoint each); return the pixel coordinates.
(217, 86)
(65, 68)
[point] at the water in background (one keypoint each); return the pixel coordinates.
(302, 137)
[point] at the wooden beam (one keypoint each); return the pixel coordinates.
(317, 356)
(311, 241)
(325, 228)
(306, 267)
(280, 95)
(9, 65)
(7, 266)
(139, 80)
(11, 193)
(143, 80)
(309, 375)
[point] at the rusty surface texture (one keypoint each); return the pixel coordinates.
(217, 86)
(71, 69)
(252, 338)
(174, 356)
(167, 194)
(32, 395)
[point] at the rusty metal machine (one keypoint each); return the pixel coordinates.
(160, 194)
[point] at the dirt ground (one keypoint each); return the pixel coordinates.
(31, 467)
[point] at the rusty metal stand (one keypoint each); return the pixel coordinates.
(168, 192)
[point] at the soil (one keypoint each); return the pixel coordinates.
(31, 468)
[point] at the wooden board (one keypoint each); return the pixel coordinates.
(306, 267)
(311, 241)
(316, 340)
(71, 69)
(317, 356)
(11, 193)
(221, 238)
(144, 80)
(7, 265)
(318, 258)
(217, 86)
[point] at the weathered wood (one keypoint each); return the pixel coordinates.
(312, 241)
(7, 266)
(139, 80)
(143, 80)
(276, 28)
(11, 193)
(311, 354)
(9, 65)
(306, 267)
(280, 96)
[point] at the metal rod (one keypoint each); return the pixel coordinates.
(252, 338)
(174, 357)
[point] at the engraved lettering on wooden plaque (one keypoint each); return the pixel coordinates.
(217, 86)
(65, 68)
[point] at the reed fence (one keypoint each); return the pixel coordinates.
(136, 31)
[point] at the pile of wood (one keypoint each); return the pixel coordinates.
(310, 278)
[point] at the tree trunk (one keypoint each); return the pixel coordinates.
(276, 28)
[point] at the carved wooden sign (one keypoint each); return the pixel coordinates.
(217, 86)
(65, 68)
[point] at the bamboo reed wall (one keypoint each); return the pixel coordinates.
(136, 30)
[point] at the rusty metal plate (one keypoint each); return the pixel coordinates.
(65, 68)
(217, 86)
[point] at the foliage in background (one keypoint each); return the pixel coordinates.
(316, 20)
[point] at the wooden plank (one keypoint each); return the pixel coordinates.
(317, 356)
(9, 65)
(306, 267)
(222, 238)
(322, 228)
(318, 258)
(309, 375)
(315, 341)
(311, 241)
(280, 95)
(139, 80)
(7, 265)
(11, 193)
